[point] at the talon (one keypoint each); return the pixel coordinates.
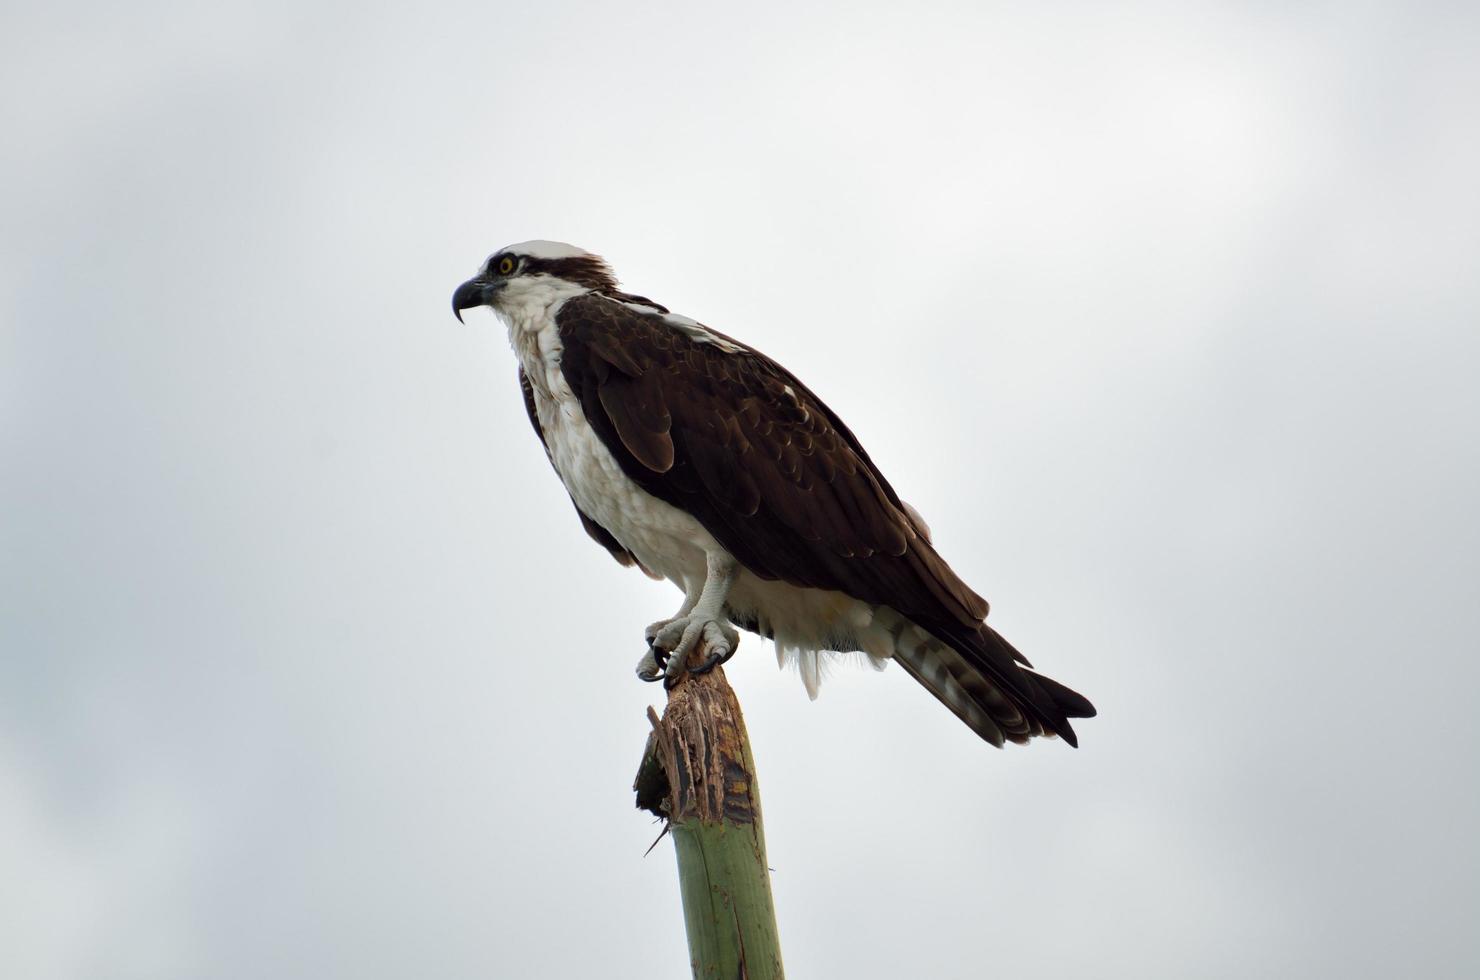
(672, 676)
(710, 662)
(650, 667)
(670, 642)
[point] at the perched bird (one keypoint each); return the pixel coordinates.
(704, 462)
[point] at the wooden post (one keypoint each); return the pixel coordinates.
(698, 774)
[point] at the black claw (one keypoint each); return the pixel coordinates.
(710, 662)
(660, 660)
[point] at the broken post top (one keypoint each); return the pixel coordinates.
(697, 765)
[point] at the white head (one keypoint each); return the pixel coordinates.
(537, 272)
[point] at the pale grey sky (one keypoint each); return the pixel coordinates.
(1165, 316)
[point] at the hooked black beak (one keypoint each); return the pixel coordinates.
(474, 292)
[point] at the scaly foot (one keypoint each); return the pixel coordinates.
(700, 623)
(671, 641)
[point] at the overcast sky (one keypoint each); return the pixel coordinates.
(1166, 317)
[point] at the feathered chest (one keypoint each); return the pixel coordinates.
(577, 452)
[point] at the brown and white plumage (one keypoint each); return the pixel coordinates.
(682, 447)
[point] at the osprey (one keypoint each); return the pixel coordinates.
(701, 461)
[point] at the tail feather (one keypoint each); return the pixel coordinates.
(1073, 704)
(930, 670)
(976, 676)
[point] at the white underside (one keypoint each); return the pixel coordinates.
(804, 622)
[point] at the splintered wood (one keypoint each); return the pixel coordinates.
(697, 763)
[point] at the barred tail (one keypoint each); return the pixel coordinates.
(978, 677)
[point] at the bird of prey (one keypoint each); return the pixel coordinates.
(702, 461)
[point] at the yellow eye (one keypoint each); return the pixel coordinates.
(505, 266)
